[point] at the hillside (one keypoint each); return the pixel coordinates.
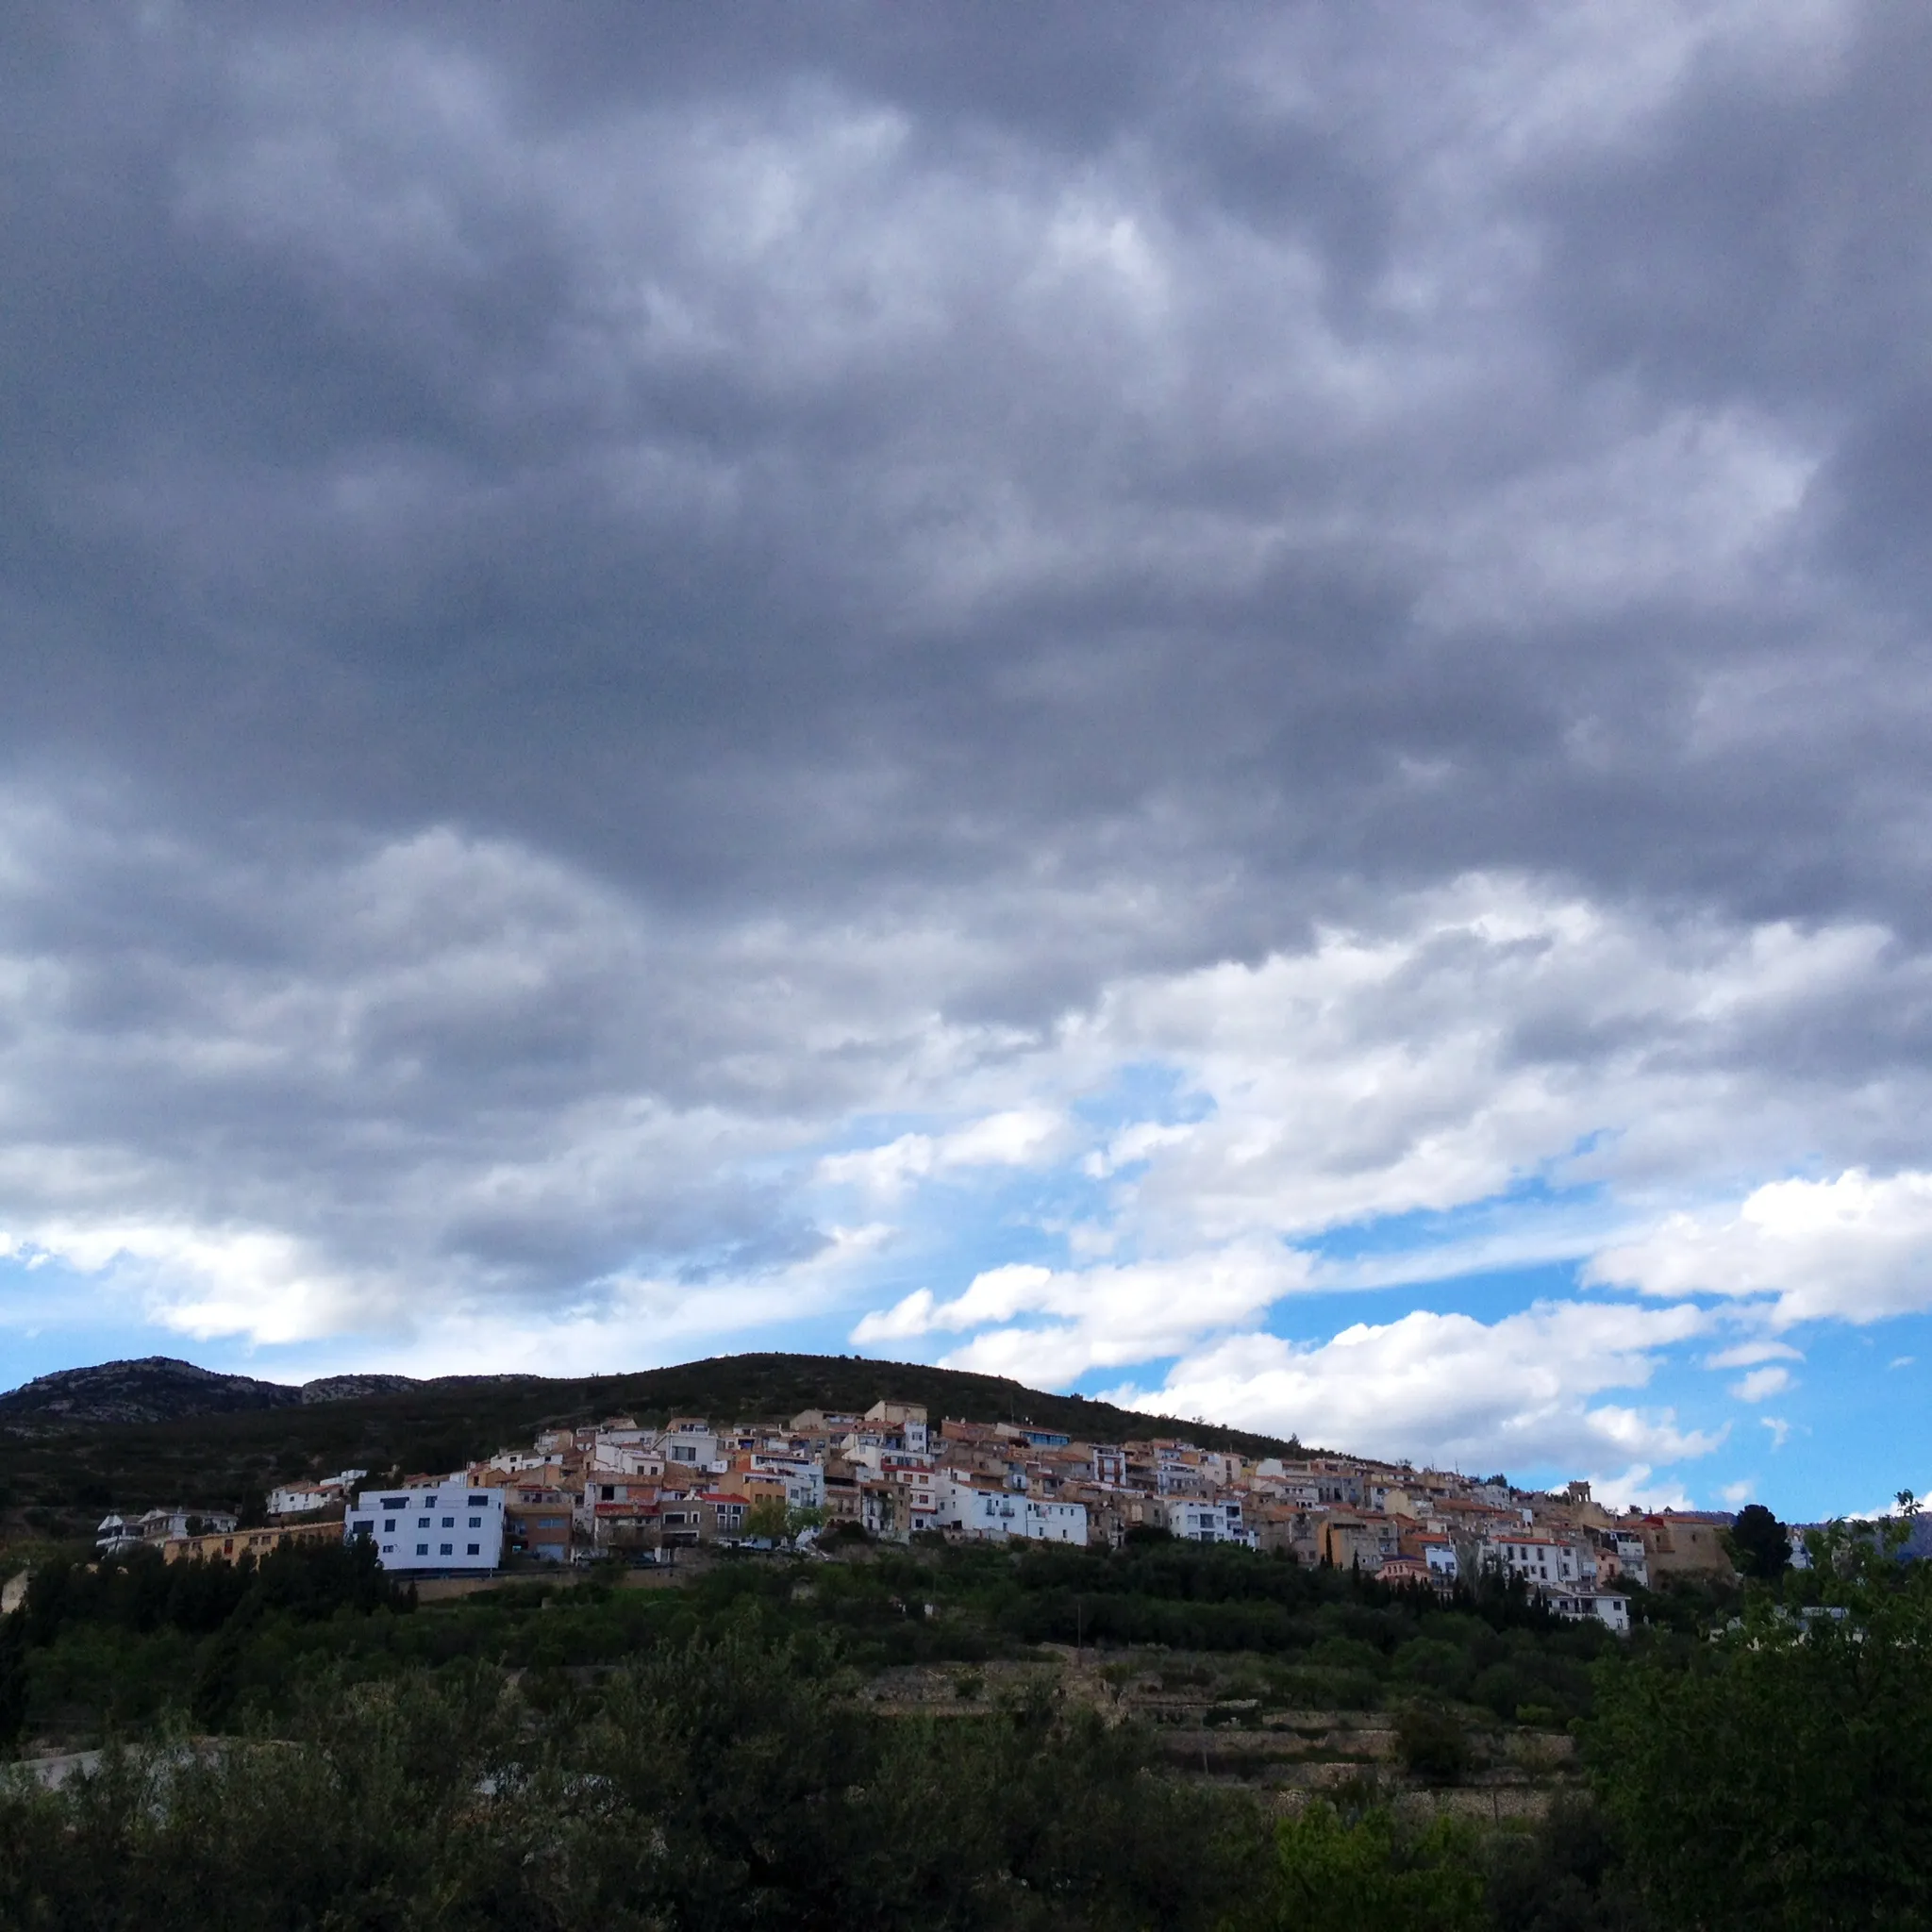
(161, 1388)
(154, 1388)
(116, 1444)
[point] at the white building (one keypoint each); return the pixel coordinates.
(451, 1527)
(1632, 1559)
(980, 1510)
(1540, 1561)
(113, 1536)
(297, 1499)
(905, 1420)
(803, 1478)
(1196, 1521)
(159, 1525)
(689, 1445)
(993, 1515)
(1054, 1523)
(1608, 1606)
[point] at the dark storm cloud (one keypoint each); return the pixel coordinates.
(1117, 486)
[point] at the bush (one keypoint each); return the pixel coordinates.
(1433, 1743)
(1373, 1877)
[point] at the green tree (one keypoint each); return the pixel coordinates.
(767, 1517)
(1759, 1544)
(1433, 1742)
(1372, 1877)
(1781, 1777)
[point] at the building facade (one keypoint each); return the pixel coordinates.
(449, 1529)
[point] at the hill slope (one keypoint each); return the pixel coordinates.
(161, 1388)
(154, 1388)
(73, 1461)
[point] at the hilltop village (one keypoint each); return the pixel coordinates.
(617, 1489)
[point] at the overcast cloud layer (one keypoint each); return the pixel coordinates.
(1227, 703)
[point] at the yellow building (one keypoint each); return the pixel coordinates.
(230, 1545)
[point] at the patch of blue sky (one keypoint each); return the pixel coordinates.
(1534, 1200)
(1143, 1091)
(52, 1316)
(1854, 1427)
(1485, 1295)
(948, 1226)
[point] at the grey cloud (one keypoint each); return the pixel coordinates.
(1113, 491)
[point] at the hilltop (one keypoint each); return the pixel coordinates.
(135, 1435)
(156, 1388)
(162, 1388)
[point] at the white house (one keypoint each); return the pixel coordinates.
(1544, 1561)
(1608, 1606)
(981, 1510)
(449, 1529)
(159, 1525)
(1053, 1522)
(992, 1514)
(804, 1477)
(297, 1499)
(690, 1446)
(1196, 1521)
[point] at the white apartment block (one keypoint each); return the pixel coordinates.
(1541, 1560)
(1196, 1521)
(451, 1528)
(995, 1515)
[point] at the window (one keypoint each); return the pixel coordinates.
(475, 1549)
(388, 1526)
(396, 1502)
(449, 1522)
(447, 1550)
(476, 1522)
(479, 1502)
(422, 1523)
(422, 1548)
(388, 1549)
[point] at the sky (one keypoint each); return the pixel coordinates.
(1226, 705)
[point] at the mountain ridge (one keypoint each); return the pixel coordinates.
(164, 1388)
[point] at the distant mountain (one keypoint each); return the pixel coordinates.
(159, 1388)
(154, 1388)
(353, 1387)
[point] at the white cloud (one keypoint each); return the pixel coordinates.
(1020, 1136)
(1761, 1384)
(1855, 1248)
(447, 1073)
(1638, 1485)
(1780, 1429)
(1746, 1355)
(1468, 1037)
(1104, 1316)
(1451, 1388)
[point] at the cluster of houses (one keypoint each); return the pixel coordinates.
(618, 1488)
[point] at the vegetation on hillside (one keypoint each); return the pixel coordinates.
(317, 1749)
